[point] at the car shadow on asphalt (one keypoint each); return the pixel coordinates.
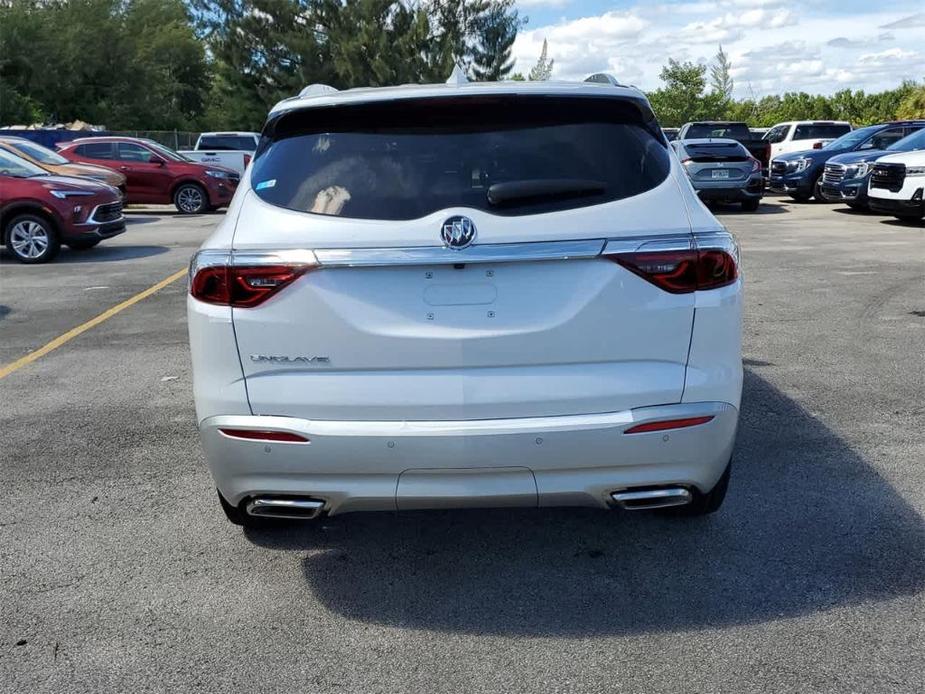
(808, 526)
(906, 223)
(736, 209)
(98, 254)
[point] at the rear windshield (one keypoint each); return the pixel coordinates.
(716, 151)
(733, 130)
(407, 159)
(820, 131)
(227, 142)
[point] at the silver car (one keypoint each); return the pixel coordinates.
(722, 170)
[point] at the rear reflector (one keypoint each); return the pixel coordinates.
(668, 424)
(257, 435)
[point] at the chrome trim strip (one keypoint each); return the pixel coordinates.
(482, 253)
(316, 428)
(666, 242)
(439, 255)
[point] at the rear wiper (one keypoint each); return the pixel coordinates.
(541, 189)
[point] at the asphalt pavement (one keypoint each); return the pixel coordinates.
(118, 571)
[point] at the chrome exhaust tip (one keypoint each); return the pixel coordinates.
(292, 509)
(641, 500)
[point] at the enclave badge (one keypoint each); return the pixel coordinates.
(458, 232)
(281, 359)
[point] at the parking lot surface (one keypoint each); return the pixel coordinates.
(119, 572)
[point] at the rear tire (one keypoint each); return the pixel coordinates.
(191, 198)
(83, 245)
(32, 239)
(751, 205)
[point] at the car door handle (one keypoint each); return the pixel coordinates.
(123, 168)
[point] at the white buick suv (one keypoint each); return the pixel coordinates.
(466, 295)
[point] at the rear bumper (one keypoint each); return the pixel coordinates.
(737, 194)
(574, 460)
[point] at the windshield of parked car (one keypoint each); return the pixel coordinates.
(910, 142)
(227, 143)
(42, 155)
(17, 167)
(406, 159)
(737, 131)
(854, 138)
(166, 152)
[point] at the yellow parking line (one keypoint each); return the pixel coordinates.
(74, 332)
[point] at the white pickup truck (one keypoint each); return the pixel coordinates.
(233, 150)
(799, 135)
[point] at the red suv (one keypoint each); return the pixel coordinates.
(156, 174)
(39, 211)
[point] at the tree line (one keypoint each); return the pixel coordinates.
(693, 91)
(221, 64)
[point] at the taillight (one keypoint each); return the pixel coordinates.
(247, 160)
(817, 145)
(756, 165)
(680, 272)
(219, 277)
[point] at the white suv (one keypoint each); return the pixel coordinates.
(800, 135)
(466, 295)
(897, 185)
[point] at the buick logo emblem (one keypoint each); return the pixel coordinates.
(458, 232)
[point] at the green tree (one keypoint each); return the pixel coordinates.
(267, 50)
(148, 73)
(721, 81)
(543, 69)
(913, 104)
(495, 31)
(682, 97)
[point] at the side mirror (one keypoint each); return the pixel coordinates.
(154, 159)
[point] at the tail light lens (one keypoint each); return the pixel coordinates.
(710, 262)
(247, 160)
(246, 280)
(817, 145)
(756, 165)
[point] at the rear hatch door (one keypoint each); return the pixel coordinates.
(526, 320)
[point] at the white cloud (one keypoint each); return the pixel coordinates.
(911, 22)
(774, 45)
(887, 56)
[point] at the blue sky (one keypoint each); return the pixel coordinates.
(819, 46)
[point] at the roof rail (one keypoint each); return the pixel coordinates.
(604, 78)
(316, 90)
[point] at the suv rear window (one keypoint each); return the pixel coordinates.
(820, 132)
(716, 151)
(227, 142)
(406, 159)
(732, 130)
